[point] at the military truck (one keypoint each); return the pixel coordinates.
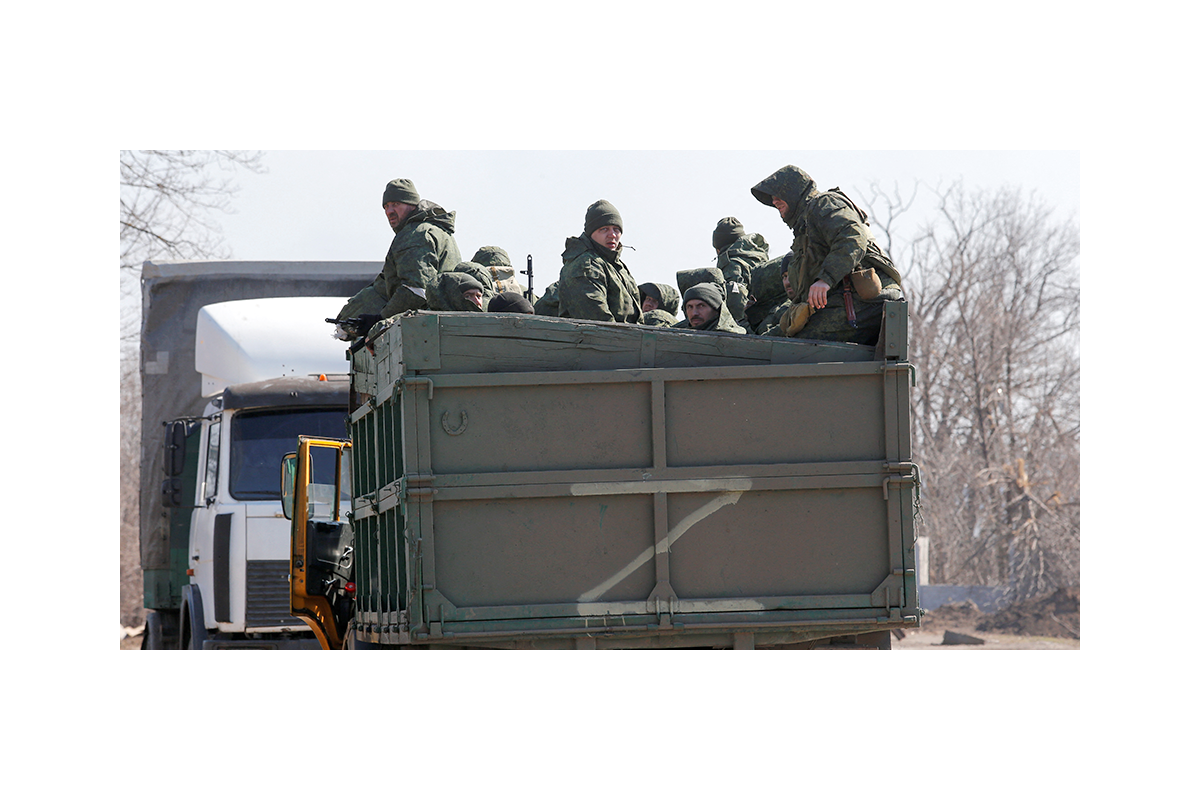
(232, 359)
(522, 481)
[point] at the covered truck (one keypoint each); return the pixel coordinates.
(236, 361)
(523, 481)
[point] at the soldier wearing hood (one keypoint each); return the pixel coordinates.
(456, 291)
(660, 304)
(423, 246)
(705, 309)
(831, 247)
(593, 282)
(495, 260)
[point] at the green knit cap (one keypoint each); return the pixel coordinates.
(401, 190)
(728, 231)
(600, 214)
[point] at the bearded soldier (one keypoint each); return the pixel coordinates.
(705, 310)
(423, 246)
(839, 273)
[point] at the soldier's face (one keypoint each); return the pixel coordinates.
(396, 213)
(609, 236)
(787, 286)
(699, 312)
(475, 296)
(780, 205)
(649, 303)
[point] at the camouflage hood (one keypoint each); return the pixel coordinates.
(431, 213)
(664, 293)
(790, 183)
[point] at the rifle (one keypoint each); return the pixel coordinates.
(351, 328)
(529, 271)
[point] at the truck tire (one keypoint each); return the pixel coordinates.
(191, 620)
(152, 634)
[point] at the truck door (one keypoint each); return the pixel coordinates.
(316, 495)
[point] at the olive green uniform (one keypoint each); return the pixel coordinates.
(593, 282)
(830, 240)
(421, 247)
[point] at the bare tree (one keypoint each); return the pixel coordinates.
(168, 199)
(993, 285)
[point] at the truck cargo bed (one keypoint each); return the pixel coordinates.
(527, 481)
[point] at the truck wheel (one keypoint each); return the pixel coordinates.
(152, 635)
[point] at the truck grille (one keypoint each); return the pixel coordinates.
(268, 595)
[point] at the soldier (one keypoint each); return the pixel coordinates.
(705, 309)
(831, 250)
(594, 283)
(738, 253)
(660, 303)
(495, 260)
(770, 293)
(422, 247)
(456, 291)
(481, 274)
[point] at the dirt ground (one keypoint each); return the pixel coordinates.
(1045, 623)
(1050, 622)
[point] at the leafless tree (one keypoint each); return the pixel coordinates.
(168, 202)
(993, 285)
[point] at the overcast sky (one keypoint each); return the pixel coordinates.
(326, 205)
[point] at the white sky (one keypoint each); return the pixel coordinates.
(313, 205)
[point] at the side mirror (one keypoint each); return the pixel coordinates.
(175, 446)
(287, 486)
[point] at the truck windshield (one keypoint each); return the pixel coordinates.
(260, 439)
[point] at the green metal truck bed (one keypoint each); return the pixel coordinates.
(526, 481)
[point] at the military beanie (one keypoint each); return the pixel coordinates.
(401, 190)
(601, 214)
(707, 292)
(728, 231)
(510, 302)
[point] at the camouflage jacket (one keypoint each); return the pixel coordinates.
(446, 293)
(770, 298)
(547, 304)
(738, 261)
(423, 247)
(594, 284)
(831, 238)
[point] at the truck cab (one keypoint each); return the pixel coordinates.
(269, 375)
(237, 592)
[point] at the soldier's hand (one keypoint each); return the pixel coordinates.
(818, 294)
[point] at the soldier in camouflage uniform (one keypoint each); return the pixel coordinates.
(456, 291)
(770, 295)
(495, 260)
(705, 310)
(831, 241)
(481, 274)
(593, 282)
(660, 303)
(422, 247)
(738, 253)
